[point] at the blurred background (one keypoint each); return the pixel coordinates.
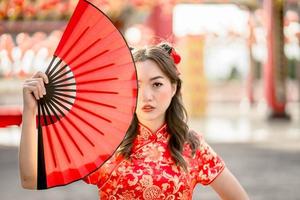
(240, 69)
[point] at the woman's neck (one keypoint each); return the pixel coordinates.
(153, 125)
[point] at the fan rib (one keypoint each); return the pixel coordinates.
(61, 105)
(50, 65)
(95, 91)
(86, 122)
(75, 42)
(51, 144)
(83, 51)
(48, 112)
(47, 104)
(64, 85)
(97, 55)
(61, 143)
(96, 81)
(66, 90)
(94, 102)
(59, 98)
(63, 80)
(54, 68)
(83, 63)
(93, 70)
(56, 107)
(90, 112)
(71, 138)
(63, 94)
(43, 112)
(53, 77)
(53, 111)
(79, 131)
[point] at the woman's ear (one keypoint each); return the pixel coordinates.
(174, 88)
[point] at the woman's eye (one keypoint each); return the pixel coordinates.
(157, 84)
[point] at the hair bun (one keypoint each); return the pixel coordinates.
(166, 47)
(171, 51)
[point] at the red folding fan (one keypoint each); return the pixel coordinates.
(90, 101)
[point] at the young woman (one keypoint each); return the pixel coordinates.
(160, 158)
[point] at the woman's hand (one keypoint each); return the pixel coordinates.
(33, 90)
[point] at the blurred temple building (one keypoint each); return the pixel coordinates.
(242, 51)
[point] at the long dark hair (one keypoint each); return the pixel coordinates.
(176, 115)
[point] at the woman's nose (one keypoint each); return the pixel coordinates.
(146, 94)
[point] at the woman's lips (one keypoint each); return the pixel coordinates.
(148, 108)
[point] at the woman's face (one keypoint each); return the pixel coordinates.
(155, 93)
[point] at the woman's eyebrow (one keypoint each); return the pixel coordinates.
(156, 77)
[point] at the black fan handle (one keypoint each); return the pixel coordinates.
(41, 171)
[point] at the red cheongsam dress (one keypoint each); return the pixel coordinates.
(151, 173)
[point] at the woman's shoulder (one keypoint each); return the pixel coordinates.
(196, 143)
(196, 134)
(203, 154)
(194, 138)
(193, 141)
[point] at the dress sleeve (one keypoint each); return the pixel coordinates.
(210, 165)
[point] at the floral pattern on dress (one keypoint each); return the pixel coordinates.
(151, 173)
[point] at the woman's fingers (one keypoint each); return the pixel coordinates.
(42, 75)
(32, 89)
(41, 86)
(36, 86)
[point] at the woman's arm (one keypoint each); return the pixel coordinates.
(228, 187)
(33, 89)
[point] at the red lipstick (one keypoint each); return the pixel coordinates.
(148, 108)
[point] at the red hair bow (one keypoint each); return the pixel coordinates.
(176, 57)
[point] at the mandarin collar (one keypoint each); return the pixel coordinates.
(145, 135)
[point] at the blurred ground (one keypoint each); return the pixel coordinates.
(264, 155)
